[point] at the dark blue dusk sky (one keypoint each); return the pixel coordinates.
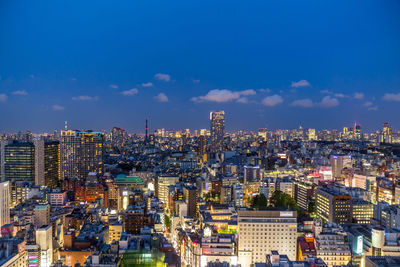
(267, 63)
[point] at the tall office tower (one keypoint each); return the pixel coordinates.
(19, 161)
(202, 145)
(4, 203)
(386, 134)
(252, 173)
(118, 136)
(300, 133)
(311, 134)
(260, 232)
(262, 133)
(47, 163)
(338, 163)
(190, 196)
(45, 242)
(332, 205)
(357, 133)
(161, 187)
(217, 129)
(345, 133)
(81, 153)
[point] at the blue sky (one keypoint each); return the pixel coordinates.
(274, 64)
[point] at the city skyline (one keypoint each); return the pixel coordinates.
(151, 130)
(265, 64)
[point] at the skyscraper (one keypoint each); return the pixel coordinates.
(19, 161)
(118, 136)
(81, 153)
(202, 145)
(386, 134)
(47, 163)
(357, 132)
(4, 203)
(217, 129)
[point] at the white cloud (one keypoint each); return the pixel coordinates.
(264, 90)
(196, 81)
(161, 97)
(391, 97)
(243, 100)
(85, 98)
(340, 95)
(3, 97)
(329, 102)
(374, 108)
(305, 103)
(222, 95)
(57, 107)
(149, 84)
(247, 92)
(368, 104)
(162, 77)
(326, 92)
(114, 86)
(301, 83)
(273, 100)
(358, 95)
(20, 92)
(130, 92)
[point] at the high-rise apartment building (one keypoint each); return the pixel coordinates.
(4, 203)
(202, 145)
(81, 153)
(238, 194)
(162, 185)
(19, 161)
(262, 231)
(190, 196)
(42, 215)
(252, 173)
(217, 129)
(47, 163)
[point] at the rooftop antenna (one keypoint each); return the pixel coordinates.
(66, 125)
(147, 128)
